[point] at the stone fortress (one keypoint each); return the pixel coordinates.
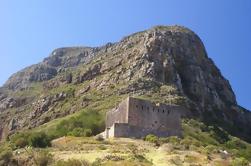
(137, 118)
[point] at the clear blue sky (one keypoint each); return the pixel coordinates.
(31, 29)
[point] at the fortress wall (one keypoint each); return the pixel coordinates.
(126, 130)
(163, 120)
(121, 130)
(111, 131)
(118, 115)
(138, 118)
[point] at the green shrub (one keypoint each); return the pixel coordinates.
(87, 132)
(43, 158)
(171, 139)
(21, 142)
(86, 124)
(174, 139)
(78, 132)
(188, 141)
(240, 162)
(163, 140)
(210, 149)
(235, 143)
(34, 139)
(72, 162)
(5, 156)
(151, 138)
(213, 136)
(245, 153)
(39, 139)
(219, 134)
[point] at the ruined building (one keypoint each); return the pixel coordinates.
(137, 118)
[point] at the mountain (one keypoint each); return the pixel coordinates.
(167, 64)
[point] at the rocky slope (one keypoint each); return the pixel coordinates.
(164, 64)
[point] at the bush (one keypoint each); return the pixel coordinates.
(186, 143)
(235, 143)
(86, 124)
(151, 138)
(219, 134)
(5, 156)
(211, 149)
(21, 142)
(240, 162)
(174, 139)
(43, 158)
(171, 139)
(80, 132)
(34, 139)
(163, 140)
(39, 139)
(72, 162)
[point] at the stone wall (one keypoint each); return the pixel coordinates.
(118, 115)
(161, 119)
(110, 132)
(138, 118)
(121, 130)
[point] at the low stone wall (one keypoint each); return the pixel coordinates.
(126, 130)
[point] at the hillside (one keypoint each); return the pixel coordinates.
(166, 64)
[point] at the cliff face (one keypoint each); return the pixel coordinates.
(165, 63)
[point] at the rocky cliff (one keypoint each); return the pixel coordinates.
(165, 64)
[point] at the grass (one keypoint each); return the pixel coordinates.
(213, 139)
(124, 151)
(34, 90)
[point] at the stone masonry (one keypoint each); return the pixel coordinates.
(137, 118)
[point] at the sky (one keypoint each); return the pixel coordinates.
(31, 30)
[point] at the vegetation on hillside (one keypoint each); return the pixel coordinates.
(208, 139)
(197, 137)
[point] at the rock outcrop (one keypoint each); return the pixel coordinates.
(168, 63)
(56, 63)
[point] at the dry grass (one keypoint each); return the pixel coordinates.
(130, 152)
